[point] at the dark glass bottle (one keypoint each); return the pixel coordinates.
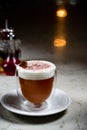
(10, 52)
(11, 61)
(5, 32)
(4, 37)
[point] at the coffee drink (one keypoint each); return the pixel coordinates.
(36, 79)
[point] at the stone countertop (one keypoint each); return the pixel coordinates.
(72, 78)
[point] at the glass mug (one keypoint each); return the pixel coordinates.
(36, 79)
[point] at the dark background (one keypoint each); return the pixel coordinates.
(23, 15)
(35, 23)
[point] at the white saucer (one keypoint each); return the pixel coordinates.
(57, 103)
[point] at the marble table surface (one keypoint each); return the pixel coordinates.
(72, 78)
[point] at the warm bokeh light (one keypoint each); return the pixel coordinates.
(59, 42)
(61, 13)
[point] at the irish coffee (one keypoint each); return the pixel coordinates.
(36, 79)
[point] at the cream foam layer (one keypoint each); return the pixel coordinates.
(37, 74)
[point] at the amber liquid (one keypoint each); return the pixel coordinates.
(36, 91)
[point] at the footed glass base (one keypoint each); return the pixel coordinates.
(28, 106)
(34, 107)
